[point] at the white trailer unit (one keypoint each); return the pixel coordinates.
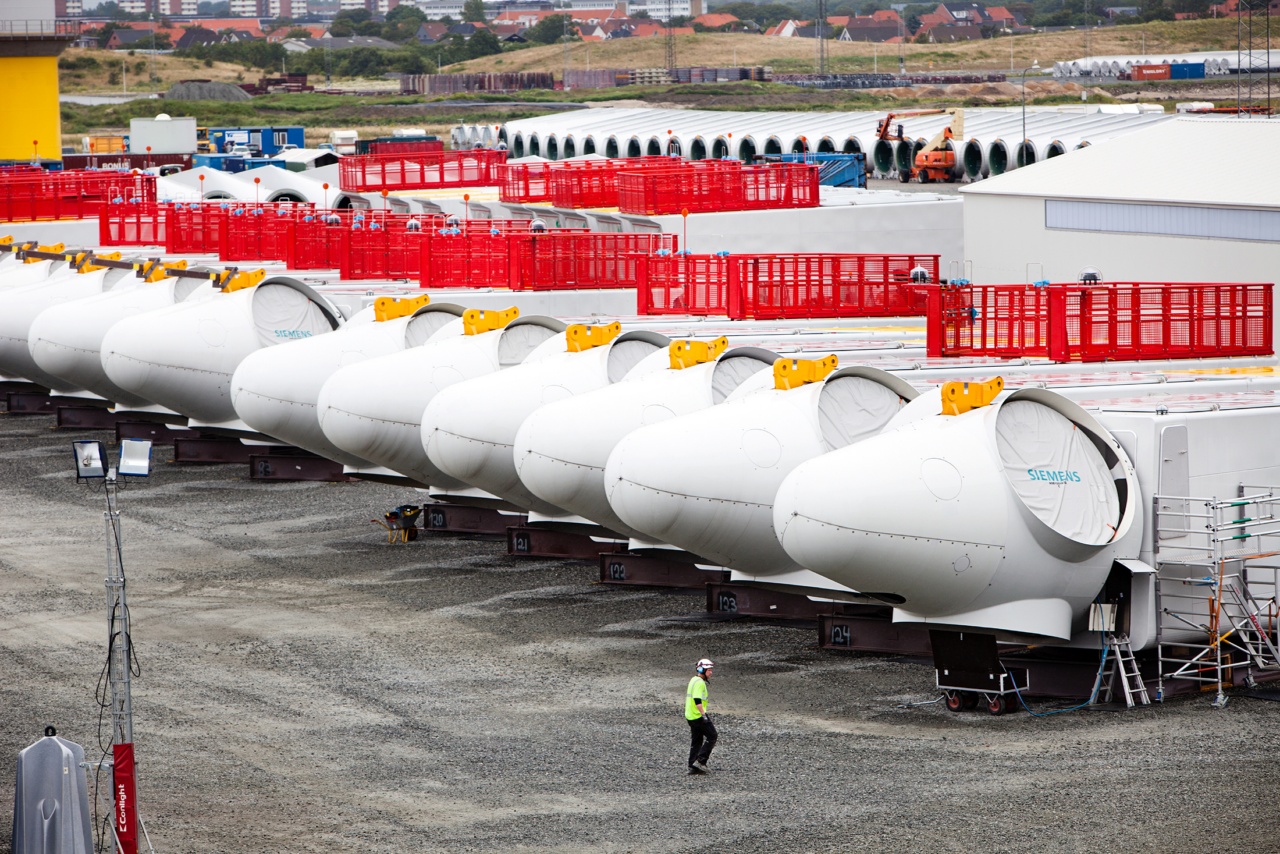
(162, 135)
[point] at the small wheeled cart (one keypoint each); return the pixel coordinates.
(970, 673)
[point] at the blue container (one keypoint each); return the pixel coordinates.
(834, 170)
(1186, 71)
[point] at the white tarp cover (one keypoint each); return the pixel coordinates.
(282, 313)
(851, 409)
(625, 355)
(1057, 472)
(519, 341)
(731, 372)
(423, 326)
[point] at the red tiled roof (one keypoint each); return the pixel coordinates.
(715, 19)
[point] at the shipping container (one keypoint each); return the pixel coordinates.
(268, 140)
(1186, 71)
(1151, 72)
(163, 135)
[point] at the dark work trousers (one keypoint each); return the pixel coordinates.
(702, 738)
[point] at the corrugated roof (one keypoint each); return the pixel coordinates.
(1208, 161)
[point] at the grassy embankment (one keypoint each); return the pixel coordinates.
(379, 114)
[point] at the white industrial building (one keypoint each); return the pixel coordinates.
(1146, 206)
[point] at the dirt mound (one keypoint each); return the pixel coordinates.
(206, 90)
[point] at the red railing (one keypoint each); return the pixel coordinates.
(717, 185)
(258, 232)
(27, 196)
(785, 285)
(571, 183)
(194, 227)
(317, 240)
(425, 170)
(382, 246)
(554, 260)
(132, 224)
(1106, 322)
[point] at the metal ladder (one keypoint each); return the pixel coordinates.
(1121, 662)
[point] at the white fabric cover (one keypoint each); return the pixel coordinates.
(517, 342)
(282, 313)
(851, 409)
(1057, 472)
(731, 372)
(423, 326)
(625, 355)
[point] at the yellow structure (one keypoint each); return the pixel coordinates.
(32, 124)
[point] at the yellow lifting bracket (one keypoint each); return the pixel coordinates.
(959, 397)
(583, 337)
(231, 281)
(157, 271)
(476, 320)
(6, 240)
(793, 373)
(83, 261)
(57, 249)
(389, 308)
(686, 353)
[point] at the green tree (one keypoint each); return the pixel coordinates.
(483, 43)
(298, 33)
(402, 23)
(473, 11)
(550, 29)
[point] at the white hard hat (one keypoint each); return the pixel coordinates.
(704, 664)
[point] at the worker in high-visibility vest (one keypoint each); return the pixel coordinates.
(702, 733)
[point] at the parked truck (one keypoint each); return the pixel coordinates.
(343, 141)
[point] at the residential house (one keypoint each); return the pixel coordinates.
(129, 40)
(784, 29)
(431, 32)
(236, 36)
(717, 21)
(196, 37)
(317, 31)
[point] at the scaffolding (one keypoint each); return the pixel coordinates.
(1253, 58)
(1218, 564)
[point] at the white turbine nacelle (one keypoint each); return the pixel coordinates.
(373, 409)
(561, 449)
(1005, 518)
(469, 430)
(182, 357)
(705, 482)
(66, 340)
(20, 306)
(275, 390)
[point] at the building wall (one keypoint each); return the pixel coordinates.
(27, 10)
(924, 227)
(1003, 234)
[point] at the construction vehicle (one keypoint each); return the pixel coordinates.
(203, 145)
(937, 160)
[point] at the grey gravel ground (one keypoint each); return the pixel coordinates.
(307, 687)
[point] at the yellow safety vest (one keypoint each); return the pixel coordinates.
(697, 690)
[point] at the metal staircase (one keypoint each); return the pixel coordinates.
(1218, 564)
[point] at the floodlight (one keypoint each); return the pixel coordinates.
(135, 457)
(91, 459)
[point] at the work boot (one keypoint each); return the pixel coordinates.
(701, 766)
(694, 769)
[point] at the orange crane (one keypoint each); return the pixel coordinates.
(937, 160)
(884, 130)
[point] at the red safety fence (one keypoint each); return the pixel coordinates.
(1104, 322)
(538, 181)
(194, 227)
(553, 260)
(317, 239)
(422, 171)
(258, 232)
(786, 285)
(470, 253)
(29, 196)
(132, 223)
(591, 260)
(717, 185)
(382, 246)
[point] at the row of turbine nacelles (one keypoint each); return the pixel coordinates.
(373, 410)
(705, 482)
(469, 430)
(1004, 518)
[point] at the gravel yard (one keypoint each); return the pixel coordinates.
(307, 687)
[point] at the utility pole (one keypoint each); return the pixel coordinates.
(820, 32)
(671, 40)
